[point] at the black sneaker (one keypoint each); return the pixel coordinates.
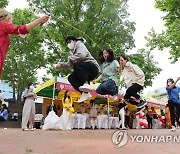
(123, 128)
(140, 109)
(141, 104)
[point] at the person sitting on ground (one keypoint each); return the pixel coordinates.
(4, 113)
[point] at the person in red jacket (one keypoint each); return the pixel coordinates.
(7, 27)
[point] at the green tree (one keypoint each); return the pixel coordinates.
(3, 3)
(169, 38)
(25, 56)
(145, 61)
(103, 23)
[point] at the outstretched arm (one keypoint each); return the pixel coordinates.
(174, 84)
(9, 28)
(99, 78)
(37, 22)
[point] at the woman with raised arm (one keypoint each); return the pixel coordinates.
(7, 27)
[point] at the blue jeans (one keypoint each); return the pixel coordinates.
(107, 88)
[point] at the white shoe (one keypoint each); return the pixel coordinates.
(84, 97)
(87, 88)
(25, 129)
(173, 129)
(32, 129)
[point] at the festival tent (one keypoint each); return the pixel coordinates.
(56, 86)
(152, 102)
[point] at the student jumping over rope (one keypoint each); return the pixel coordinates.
(85, 67)
(6, 28)
(134, 79)
(109, 71)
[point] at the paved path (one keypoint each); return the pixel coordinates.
(16, 141)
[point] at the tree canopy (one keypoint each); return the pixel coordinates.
(169, 38)
(3, 3)
(102, 23)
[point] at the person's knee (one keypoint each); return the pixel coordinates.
(100, 90)
(70, 78)
(128, 91)
(113, 91)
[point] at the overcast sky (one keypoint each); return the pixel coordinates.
(144, 14)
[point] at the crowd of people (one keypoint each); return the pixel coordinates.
(97, 116)
(86, 69)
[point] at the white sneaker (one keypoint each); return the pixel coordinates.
(32, 129)
(25, 129)
(87, 88)
(84, 97)
(173, 129)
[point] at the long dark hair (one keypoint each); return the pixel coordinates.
(110, 57)
(65, 95)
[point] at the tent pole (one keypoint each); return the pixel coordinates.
(108, 114)
(52, 104)
(53, 91)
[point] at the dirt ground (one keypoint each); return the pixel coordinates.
(16, 141)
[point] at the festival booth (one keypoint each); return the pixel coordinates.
(53, 91)
(141, 120)
(152, 102)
